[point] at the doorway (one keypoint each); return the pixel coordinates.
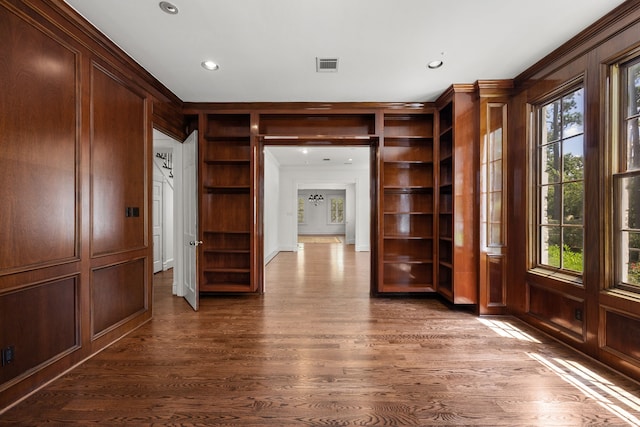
(165, 152)
(289, 171)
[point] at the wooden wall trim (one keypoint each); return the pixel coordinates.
(453, 89)
(305, 107)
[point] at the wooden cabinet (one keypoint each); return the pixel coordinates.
(407, 222)
(457, 217)
(226, 208)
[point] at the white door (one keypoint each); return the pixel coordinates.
(156, 217)
(190, 240)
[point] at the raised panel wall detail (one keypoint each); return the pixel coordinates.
(117, 293)
(118, 164)
(496, 289)
(622, 334)
(556, 309)
(40, 322)
(38, 215)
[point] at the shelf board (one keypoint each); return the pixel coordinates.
(234, 139)
(445, 264)
(413, 137)
(227, 251)
(227, 231)
(240, 189)
(445, 290)
(408, 213)
(408, 260)
(225, 270)
(413, 162)
(446, 239)
(405, 287)
(443, 131)
(406, 187)
(224, 287)
(227, 161)
(318, 139)
(406, 237)
(407, 190)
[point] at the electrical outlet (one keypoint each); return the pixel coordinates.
(8, 355)
(578, 314)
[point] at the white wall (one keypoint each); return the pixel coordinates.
(167, 204)
(271, 194)
(294, 178)
(316, 217)
(168, 232)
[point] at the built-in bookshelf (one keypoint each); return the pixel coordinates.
(226, 204)
(457, 241)
(445, 203)
(407, 179)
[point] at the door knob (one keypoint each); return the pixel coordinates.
(195, 243)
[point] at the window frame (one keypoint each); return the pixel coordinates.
(304, 210)
(619, 164)
(330, 207)
(538, 145)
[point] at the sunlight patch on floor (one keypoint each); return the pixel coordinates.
(615, 399)
(507, 330)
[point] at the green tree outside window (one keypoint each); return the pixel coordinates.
(561, 183)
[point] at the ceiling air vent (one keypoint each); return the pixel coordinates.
(326, 65)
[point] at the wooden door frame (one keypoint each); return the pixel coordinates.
(374, 179)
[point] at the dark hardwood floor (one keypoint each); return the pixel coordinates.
(317, 350)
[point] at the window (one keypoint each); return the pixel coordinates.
(493, 167)
(560, 181)
(336, 210)
(626, 207)
(300, 210)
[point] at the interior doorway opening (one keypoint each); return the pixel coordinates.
(340, 176)
(166, 150)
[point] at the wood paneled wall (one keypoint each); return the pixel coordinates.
(75, 132)
(75, 138)
(586, 312)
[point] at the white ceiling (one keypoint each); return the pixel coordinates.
(328, 157)
(267, 48)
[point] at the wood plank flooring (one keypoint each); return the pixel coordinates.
(316, 350)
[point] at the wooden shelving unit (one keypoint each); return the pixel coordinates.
(226, 204)
(445, 202)
(457, 217)
(407, 179)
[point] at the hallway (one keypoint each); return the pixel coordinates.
(315, 349)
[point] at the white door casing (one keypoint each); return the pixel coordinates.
(190, 240)
(156, 218)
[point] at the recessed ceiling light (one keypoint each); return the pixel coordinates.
(169, 8)
(435, 64)
(210, 65)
